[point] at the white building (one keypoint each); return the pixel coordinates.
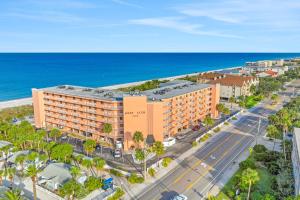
(296, 159)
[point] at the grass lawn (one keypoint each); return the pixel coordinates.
(251, 101)
(263, 186)
(222, 196)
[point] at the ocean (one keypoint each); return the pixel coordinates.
(19, 72)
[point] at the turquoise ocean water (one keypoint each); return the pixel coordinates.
(19, 72)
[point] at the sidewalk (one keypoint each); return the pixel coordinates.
(133, 190)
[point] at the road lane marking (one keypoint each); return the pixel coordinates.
(215, 163)
(199, 161)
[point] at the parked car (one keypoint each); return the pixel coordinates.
(180, 197)
(169, 142)
(119, 144)
(196, 128)
(180, 136)
(117, 153)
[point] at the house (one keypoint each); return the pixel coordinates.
(54, 176)
(296, 159)
(267, 73)
(230, 85)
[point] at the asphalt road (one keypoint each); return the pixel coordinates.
(195, 175)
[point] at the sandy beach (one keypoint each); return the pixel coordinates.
(14, 103)
(28, 101)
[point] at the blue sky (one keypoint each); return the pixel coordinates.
(149, 25)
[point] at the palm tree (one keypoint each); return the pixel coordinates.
(10, 173)
(220, 107)
(75, 172)
(285, 122)
(89, 146)
(5, 150)
(77, 159)
(32, 172)
(107, 129)
(208, 121)
(20, 159)
(99, 164)
(55, 133)
(158, 149)
(249, 177)
(273, 133)
(69, 189)
(12, 195)
(140, 156)
(231, 101)
(138, 137)
(88, 164)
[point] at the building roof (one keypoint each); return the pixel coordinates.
(174, 90)
(271, 72)
(12, 159)
(166, 90)
(57, 173)
(226, 79)
(4, 143)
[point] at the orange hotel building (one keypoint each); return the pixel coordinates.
(160, 113)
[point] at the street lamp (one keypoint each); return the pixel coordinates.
(258, 128)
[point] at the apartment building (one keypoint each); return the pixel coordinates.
(230, 85)
(296, 159)
(160, 113)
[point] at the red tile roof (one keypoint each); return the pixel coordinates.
(226, 79)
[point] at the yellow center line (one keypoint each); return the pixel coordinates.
(199, 161)
(214, 164)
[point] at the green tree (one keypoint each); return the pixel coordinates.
(88, 164)
(275, 98)
(70, 189)
(62, 152)
(107, 129)
(55, 133)
(32, 172)
(140, 156)
(274, 133)
(12, 195)
(231, 101)
(75, 172)
(249, 177)
(208, 122)
(89, 146)
(4, 127)
(138, 138)
(158, 149)
(92, 183)
(1, 175)
(99, 164)
(10, 173)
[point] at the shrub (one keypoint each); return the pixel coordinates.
(92, 183)
(226, 123)
(217, 129)
(133, 178)
(247, 164)
(116, 173)
(117, 195)
(151, 172)
(259, 148)
(205, 137)
(166, 161)
(234, 118)
(194, 144)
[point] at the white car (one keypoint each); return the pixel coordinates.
(169, 142)
(180, 197)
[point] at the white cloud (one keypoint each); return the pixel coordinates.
(178, 23)
(126, 3)
(271, 13)
(48, 16)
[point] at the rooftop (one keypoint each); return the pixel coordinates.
(226, 79)
(166, 90)
(57, 173)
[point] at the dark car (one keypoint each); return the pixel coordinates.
(196, 128)
(180, 137)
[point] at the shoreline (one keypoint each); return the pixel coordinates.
(28, 100)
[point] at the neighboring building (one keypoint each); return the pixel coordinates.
(230, 85)
(54, 176)
(296, 159)
(268, 73)
(163, 112)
